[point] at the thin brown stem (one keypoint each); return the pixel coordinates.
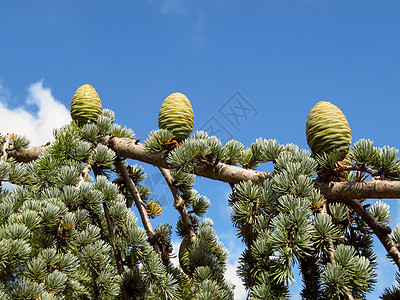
(117, 252)
(7, 143)
(122, 170)
(111, 227)
(349, 296)
(82, 178)
(362, 169)
(179, 204)
(84, 175)
(381, 231)
(330, 246)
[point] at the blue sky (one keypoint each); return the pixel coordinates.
(281, 56)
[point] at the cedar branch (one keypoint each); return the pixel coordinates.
(382, 232)
(28, 154)
(179, 204)
(124, 147)
(117, 252)
(122, 170)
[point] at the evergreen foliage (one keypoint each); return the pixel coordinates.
(68, 231)
(55, 241)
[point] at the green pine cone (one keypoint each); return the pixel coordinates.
(327, 130)
(183, 255)
(176, 115)
(85, 105)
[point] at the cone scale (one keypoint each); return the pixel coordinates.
(85, 105)
(327, 130)
(176, 115)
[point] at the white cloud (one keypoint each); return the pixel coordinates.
(240, 290)
(174, 259)
(173, 7)
(231, 243)
(7, 186)
(37, 127)
(235, 248)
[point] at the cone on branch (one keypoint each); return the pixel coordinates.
(176, 115)
(327, 130)
(85, 105)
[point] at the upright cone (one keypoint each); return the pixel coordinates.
(85, 105)
(176, 115)
(327, 130)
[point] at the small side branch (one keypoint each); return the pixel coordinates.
(382, 232)
(111, 228)
(117, 252)
(84, 175)
(7, 143)
(28, 154)
(179, 203)
(362, 169)
(331, 250)
(121, 169)
(331, 246)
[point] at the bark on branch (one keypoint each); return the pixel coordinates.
(382, 232)
(117, 252)
(377, 189)
(179, 203)
(331, 250)
(138, 202)
(29, 154)
(127, 148)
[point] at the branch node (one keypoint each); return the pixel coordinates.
(386, 230)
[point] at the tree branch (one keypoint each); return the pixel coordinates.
(331, 250)
(127, 148)
(382, 232)
(7, 142)
(121, 169)
(360, 190)
(29, 154)
(345, 192)
(117, 252)
(330, 247)
(84, 175)
(179, 204)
